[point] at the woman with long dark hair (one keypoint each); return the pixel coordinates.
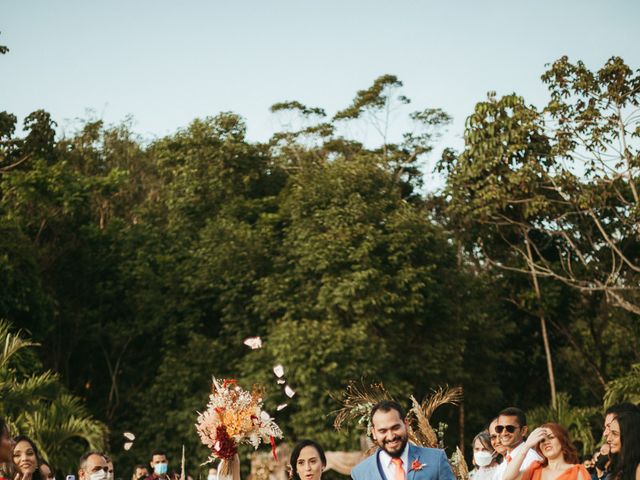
(46, 471)
(559, 457)
(26, 459)
(307, 461)
(624, 444)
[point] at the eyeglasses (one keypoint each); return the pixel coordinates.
(508, 428)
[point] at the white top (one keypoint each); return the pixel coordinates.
(483, 473)
(532, 456)
(390, 468)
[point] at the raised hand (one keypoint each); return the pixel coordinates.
(537, 436)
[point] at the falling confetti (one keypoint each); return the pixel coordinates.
(289, 391)
(253, 342)
(129, 436)
(128, 445)
(280, 381)
(281, 407)
(278, 370)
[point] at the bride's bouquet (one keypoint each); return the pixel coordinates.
(234, 416)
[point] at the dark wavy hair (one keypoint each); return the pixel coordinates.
(514, 412)
(626, 461)
(386, 406)
(23, 438)
(44, 462)
(569, 452)
(296, 453)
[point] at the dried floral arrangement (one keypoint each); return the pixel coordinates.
(234, 416)
(358, 400)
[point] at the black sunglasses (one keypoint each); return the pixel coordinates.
(508, 428)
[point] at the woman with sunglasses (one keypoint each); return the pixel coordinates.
(559, 457)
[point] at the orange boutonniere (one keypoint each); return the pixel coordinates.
(416, 465)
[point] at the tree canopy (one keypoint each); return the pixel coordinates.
(139, 267)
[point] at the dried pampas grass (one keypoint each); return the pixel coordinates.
(420, 414)
(357, 402)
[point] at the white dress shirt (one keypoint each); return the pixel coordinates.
(532, 456)
(389, 467)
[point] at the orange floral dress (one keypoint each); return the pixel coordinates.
(534, 472)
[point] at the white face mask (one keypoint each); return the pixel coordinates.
(212, 477)
(101, 475)
(481, 458)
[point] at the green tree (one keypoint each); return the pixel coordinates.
(35, 403)
(543, 193)
(625, 388)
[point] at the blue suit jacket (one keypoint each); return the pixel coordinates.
(436, 466)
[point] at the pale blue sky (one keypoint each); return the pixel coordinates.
(167, 62)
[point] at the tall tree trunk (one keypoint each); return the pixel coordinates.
(543, 325)
(461, 422)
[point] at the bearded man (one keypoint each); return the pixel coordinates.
(396, 458)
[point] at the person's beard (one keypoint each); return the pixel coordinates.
(397, 452)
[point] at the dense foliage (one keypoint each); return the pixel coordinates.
(140, 267)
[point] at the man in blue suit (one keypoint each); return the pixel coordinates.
(396, 459)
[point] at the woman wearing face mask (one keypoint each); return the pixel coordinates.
(559, 457)
(26, 459)
(484, 457)
(307, 461)
(624, 445)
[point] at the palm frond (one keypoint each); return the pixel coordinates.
(63, 429)
(624, 389)
(35, 404)
(10, 343)
(17, 395)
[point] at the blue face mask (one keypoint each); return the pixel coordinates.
(160, 468)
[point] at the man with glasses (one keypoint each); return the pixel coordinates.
(512, 430)
(495, 438)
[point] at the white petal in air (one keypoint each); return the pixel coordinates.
(278, 370)
(128, 445)
(280, 381)
(253, 342)
(264, 416)
(282, 406)
(129, 436)
(289, 391)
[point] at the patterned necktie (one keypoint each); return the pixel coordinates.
(508, 458)
(399, 470)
